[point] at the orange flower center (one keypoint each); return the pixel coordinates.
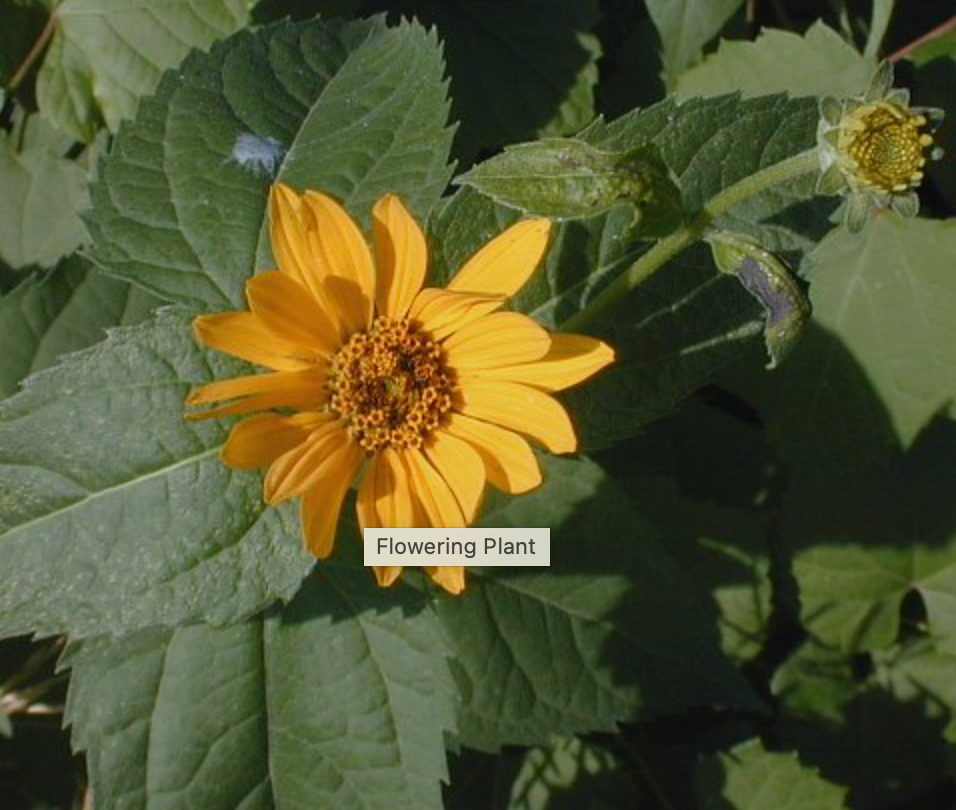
(390, 385)
(886, 142)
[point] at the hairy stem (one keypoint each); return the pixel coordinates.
(685, 236)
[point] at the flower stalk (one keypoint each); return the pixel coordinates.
(692, 232)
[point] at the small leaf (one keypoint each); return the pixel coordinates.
(106, 54)
(567, 178)
(341, 699)
(749, 777)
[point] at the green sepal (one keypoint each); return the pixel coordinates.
(906, 205)
(771, 283)
(856, 212)
(831, 181)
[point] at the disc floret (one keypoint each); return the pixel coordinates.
(874, 149)
(390, 385)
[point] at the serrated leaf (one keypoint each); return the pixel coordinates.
(890, 295)
(518, 69)
(611, 631)
(341, 699)
(354, 109)
(43, 195)
(685, 27)
(863, 544)
(749, 777)
(66, 310)
(106, 54)
(116, 513)
(818, 63)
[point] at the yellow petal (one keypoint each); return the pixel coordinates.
(288, 233)
(288, 310)
(461, 467)
(244, 335)
(387, 574)
(504, 265)
(340, 247)
(401, 256)
(510, 463)
(301, 390)
(450, 577)
(311, 379)
(522, 408)
(322, 503)
(306, 465)
(385, 497)
(435, 496)
(571, 359)
(261, 439)
(441, 312)
(501, 339)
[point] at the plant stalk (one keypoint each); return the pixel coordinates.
(685, 236)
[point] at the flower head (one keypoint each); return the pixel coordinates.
(874, 149)
(421, 395)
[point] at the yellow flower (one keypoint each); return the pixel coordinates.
(423, 394)
(873, 149)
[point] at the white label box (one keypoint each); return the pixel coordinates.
(486, 547)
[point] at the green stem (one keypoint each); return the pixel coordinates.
(685, 236)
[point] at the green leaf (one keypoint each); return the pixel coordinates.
(106, 54)
(751, 778)
(890, 295)
(862, 545)
(571, 774)
(685, 27)
(355, 109)
(819, 63)
(611, 631)
(518, 69)
(342, 699)
(567, 178)
(116, 513)
(39, 208)
(68, 309)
